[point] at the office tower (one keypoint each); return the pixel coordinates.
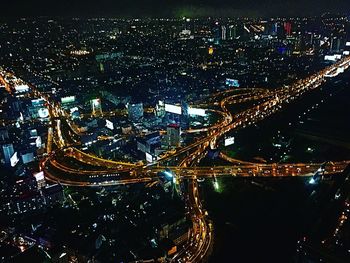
(160, 109)
(274, 30)
(96, 107)
(4, 134)
(288, 28)
(185, 118)
(217, 33)
(135, 111)
(173, 134)
(232, 32)
(8, 151)
(223, 32)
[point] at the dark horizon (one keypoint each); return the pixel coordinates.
(157, 8)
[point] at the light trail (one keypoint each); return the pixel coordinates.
(100, 172)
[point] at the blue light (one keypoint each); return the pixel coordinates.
(168, 174)
(312, 181)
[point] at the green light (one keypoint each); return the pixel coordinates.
(216, 186)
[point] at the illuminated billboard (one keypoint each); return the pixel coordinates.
(329, 58)
(232, 83)
(38, 102)
(21, 88)
(28, 157)
(149, 157)
(71, 110)
(173, 109)
(14, 159)
(197, 112)
(69, 99)
(229, 141)
(43, 113)
(109, 125)
(39, 176)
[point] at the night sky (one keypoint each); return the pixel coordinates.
(173, 8)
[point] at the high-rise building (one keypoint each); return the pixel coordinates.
(27, 157)
(184, 119)
(135, 111)
(223, 32)
(160, 109)
(335, 44)
(288, 28)
(96, 107)
(232, 32)
(4, 134)
(338, 44)
(173, 135)
(274, 30)
(217, 33)
(8, 151)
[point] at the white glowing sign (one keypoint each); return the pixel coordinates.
(149, 157)
(229, 141)
(73, 109)
(173, 109)
(14, 159)
(43, 113)
(332, 57)
(196, 112)
(39, 176)
(109, 125)
(68, 99)
(21, 88)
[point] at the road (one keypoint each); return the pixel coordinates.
(71, 166)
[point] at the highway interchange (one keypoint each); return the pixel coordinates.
(68, 165)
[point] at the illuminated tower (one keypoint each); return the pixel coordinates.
(274, 29)
(223, 32)
(217, 33)
(173, 135)
(96, 107)
(232, 32)
(8, 152)
(288, 28)
(135, 111)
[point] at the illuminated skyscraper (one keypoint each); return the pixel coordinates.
(223, 32)
(232, 32)
(173, 135)
(96, 107)
(217, 33)
(135, 111)
(8, 151)
(288, 28)
(274, 30)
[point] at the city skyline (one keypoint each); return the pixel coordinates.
(175, 139)
(157, 8)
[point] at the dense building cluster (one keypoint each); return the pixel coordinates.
(136, 91)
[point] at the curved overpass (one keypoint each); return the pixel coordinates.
(83, 169)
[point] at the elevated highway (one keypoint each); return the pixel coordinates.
(70, 166)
